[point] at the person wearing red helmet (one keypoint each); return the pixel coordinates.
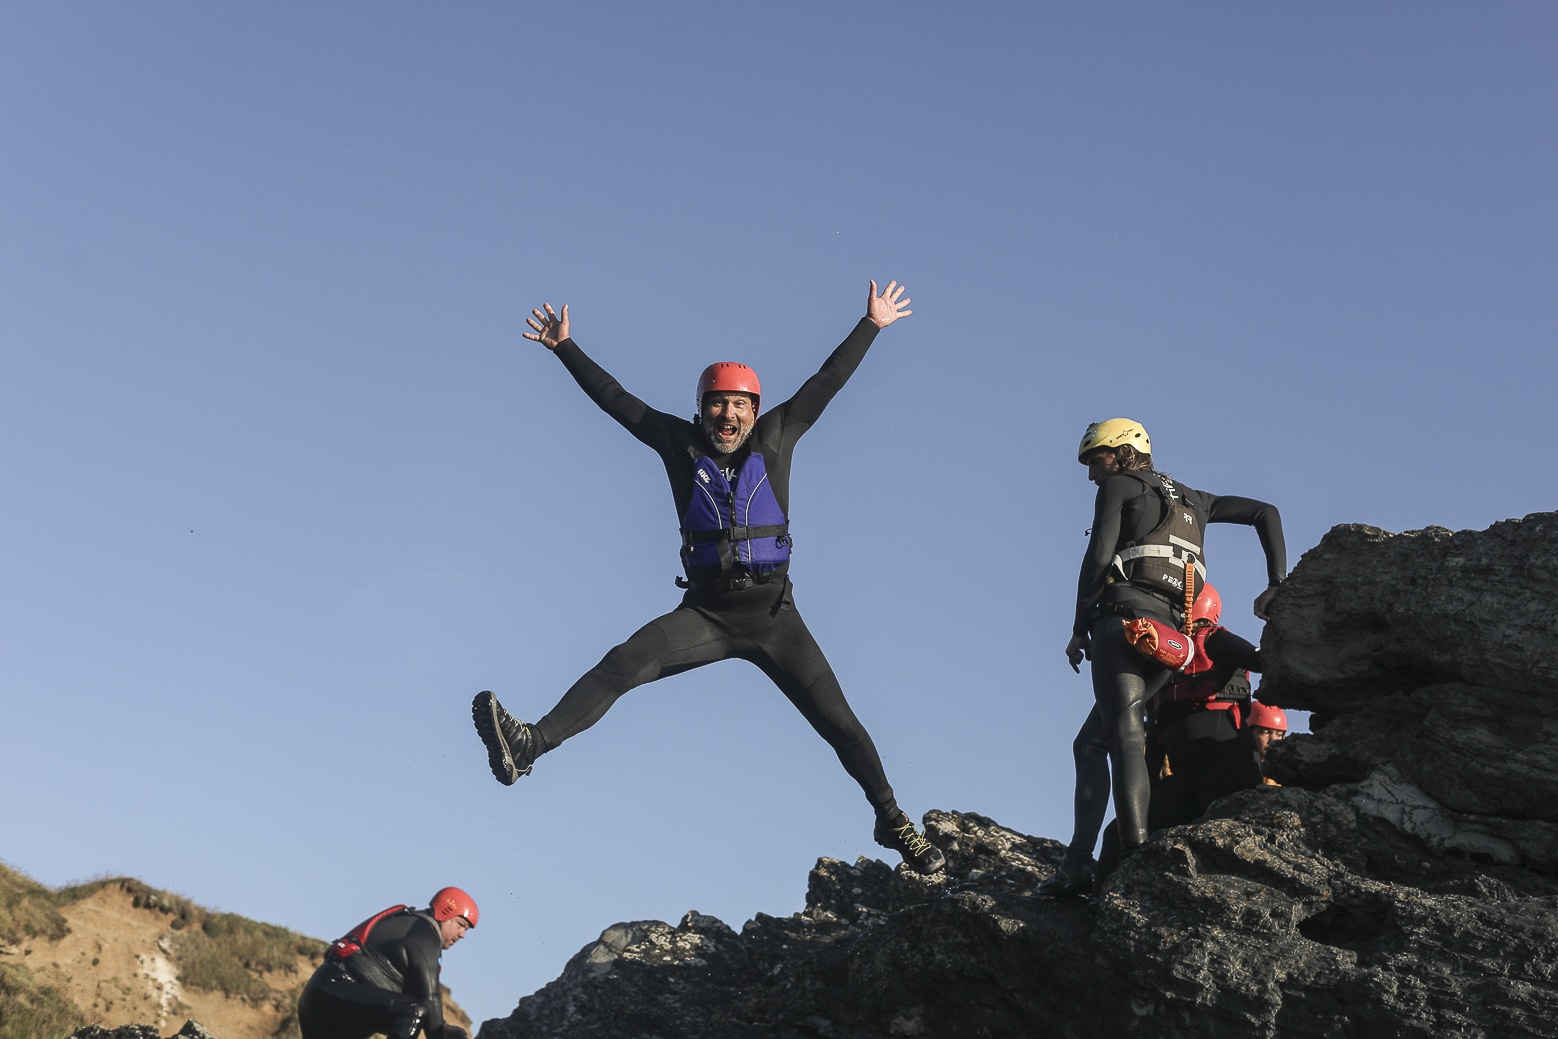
(729, 470)
(1267, 723)
(1144, 556)
(382, 975)
(1194, 723)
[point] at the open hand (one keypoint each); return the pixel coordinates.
(549, 328)
(883, 310)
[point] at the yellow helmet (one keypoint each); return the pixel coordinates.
(1115, 432)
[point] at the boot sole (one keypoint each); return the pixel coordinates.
(484, 712)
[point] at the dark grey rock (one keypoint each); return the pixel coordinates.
(1368, 613)
(192, 1030)
(1403, 883)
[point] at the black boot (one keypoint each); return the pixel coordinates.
(898, 832)
(511, 743)
(1072, 878)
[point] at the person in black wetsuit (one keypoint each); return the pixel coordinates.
(382, 977)
(1147, 537)
(730, 478)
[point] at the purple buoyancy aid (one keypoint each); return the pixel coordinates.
(733, 522)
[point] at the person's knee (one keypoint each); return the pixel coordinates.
(631, 659)
(408, 1022)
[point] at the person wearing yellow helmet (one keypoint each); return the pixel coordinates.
(1145, 559)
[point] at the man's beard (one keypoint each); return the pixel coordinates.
(719, 447)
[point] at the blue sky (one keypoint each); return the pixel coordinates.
(285, 487)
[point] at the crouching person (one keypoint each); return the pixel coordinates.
(1267, 725)
(1197, 747)
(382, 977)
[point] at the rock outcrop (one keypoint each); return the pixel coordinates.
(1403, 883)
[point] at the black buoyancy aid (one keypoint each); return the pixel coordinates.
(731, 522)
(353, 941)
(1188, 687)
(1158, 561)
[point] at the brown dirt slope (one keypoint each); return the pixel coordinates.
(114, 952)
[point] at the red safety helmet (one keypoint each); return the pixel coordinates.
(451, 902)
(1265, 716)
(729, 377)
(1208, 606)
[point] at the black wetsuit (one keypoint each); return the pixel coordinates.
(1210, 755)
(1112, 740)
(717, 619)
(388, 986)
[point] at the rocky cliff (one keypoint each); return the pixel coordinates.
(1403, 883)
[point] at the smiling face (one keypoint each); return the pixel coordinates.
(728, 419)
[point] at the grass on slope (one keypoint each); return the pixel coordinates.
(29, 1010)
(214, 952)
(27, 909)
(222, 952)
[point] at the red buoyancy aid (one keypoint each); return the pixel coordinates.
(353, 940)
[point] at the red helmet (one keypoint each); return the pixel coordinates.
(1266, 716)
(1208, 606)
(451, 902)
(729, 377)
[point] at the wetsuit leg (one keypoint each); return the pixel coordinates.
(790, 656)
(337, 1007)
(678, 641)
(1123, 682)
(1091, 801)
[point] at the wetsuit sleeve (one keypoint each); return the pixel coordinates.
(1267, 522)
(1107, 509)
(798, 413)
(424, 946)
(647, 425)
(1231, 653)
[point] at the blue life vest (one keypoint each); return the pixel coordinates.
(730, 523)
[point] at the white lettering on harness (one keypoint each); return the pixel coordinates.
(702, 474)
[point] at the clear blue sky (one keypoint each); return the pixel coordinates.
(284, 487)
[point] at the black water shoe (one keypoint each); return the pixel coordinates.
(899, 833)
(511, 744)
(1071, 879)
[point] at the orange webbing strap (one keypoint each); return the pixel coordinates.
(1190, 590)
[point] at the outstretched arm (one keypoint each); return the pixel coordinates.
(1267, 522)
(649, 426)
(882, 309)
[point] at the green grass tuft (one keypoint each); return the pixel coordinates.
(27, 909)
(29, 1010)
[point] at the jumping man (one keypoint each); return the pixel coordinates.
(730, 477)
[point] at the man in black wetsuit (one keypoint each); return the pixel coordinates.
(1146, 539)
(382, 977)
(730, 478)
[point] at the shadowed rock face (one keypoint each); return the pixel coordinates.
(1367, 613)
